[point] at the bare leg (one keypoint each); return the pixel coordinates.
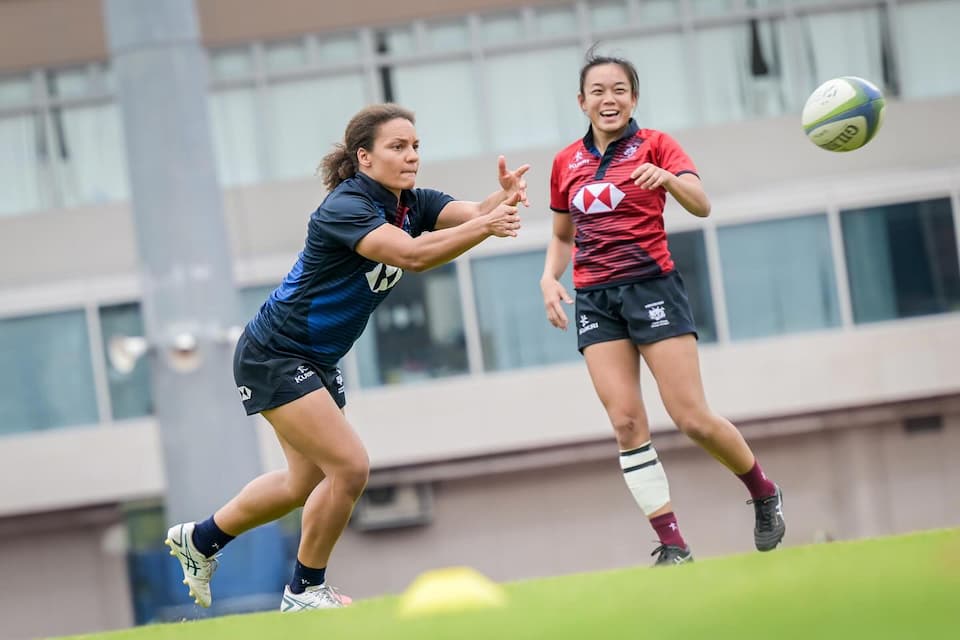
(271, 495)
(318, 431)
(675, 365)
(615, 371)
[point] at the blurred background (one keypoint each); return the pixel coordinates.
(826, 285)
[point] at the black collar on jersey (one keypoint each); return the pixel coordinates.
(631, 131)
(611, 149)
(383, 195)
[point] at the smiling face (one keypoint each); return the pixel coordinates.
(394, 159)
(608, 100)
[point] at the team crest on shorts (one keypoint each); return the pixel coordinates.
(658, 315)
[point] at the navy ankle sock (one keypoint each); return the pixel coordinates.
(208, 538)
(304, 576)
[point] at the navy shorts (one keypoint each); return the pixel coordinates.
(642, 312)
(267, 379)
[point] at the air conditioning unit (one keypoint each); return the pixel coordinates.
(394, 506)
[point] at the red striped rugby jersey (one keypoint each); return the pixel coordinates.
(619, 226)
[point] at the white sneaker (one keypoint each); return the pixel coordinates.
(197, 568)
(319, 597)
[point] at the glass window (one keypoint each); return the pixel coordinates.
(416, 333)
(130, 394)
(228, 64)
(251, 299)
(740, 71)
(448, 36)
(448, 128)
(556, 21)
(21, 154)
(69, 83)
(344, 48)
(658, 11)
(15, 91)
(506, 27)
(928, 49)
(713, 7)
(608, 15)
(778, 276)
(690, 257)
(399, 40)
(91, 152)
(306, 117)
(46, 376)
(514, 330)
(108, 80)
(546, 111)
(901, 260)
(233, 121)
(846, 43)
(287, 55)
(664, 102)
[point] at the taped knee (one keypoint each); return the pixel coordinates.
(645, 477)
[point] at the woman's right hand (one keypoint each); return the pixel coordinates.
(504, 220)
(553, 295)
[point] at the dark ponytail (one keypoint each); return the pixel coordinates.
(341, 163)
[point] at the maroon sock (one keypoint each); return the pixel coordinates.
(667, 530)
(757, 482)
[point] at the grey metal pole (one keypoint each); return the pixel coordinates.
(210, 450)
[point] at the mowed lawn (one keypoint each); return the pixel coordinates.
(904, 587)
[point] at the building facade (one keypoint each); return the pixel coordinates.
(826, 286)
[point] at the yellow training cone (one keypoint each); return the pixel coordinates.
(450, 589)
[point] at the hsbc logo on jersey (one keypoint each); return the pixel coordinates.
(598, 198)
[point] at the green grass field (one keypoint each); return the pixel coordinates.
(905, 587)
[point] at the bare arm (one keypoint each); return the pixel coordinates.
(393, 246)
(460, 211)
(559, 252)
(688, 191)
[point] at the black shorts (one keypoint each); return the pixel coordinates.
(267, 379)
(643, 312)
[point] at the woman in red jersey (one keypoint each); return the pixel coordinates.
(608, 191)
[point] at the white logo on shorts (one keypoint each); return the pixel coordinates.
(245, 393)
(303, 374)
(586, 325)
(658, 315)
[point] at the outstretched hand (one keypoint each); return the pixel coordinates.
(512, 182)
(504, 220)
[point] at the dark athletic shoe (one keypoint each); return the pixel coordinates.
(671, 555)
(770, 526)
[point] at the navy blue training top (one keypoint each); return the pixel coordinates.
(323, 304)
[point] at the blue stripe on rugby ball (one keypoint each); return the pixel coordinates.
(869, 110)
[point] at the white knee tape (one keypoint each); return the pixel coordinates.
(645, 477)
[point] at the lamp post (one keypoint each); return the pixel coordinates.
(210, 451)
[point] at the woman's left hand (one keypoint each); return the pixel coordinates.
(512, 182)
(650, 176)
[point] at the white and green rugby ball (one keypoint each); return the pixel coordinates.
(843, 114)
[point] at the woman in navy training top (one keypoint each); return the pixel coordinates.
(361, 239)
